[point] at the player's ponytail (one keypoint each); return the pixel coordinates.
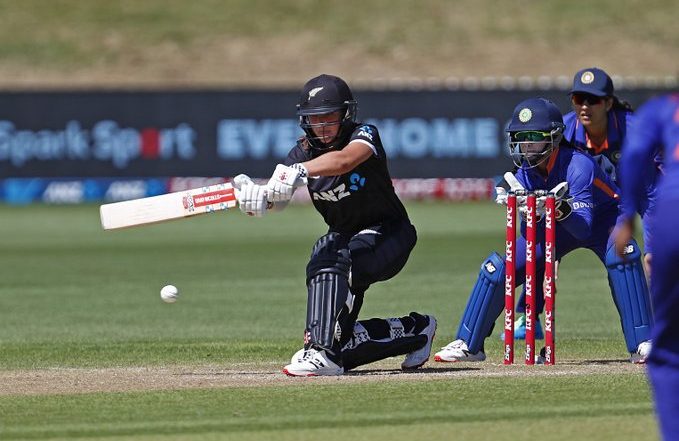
(619, 104)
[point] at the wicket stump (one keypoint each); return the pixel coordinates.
(549, 283)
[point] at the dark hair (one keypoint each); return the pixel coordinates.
(619, 104)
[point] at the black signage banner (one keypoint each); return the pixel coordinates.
(224, 133)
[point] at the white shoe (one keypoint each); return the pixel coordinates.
(313, 363)
(297, 357)
(458, 351)
(644, 349)
(419, 357)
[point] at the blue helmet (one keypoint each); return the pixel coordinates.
(535, 129)
(324, 95)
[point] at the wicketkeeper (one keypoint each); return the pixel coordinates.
(344, 166)
(586, 215)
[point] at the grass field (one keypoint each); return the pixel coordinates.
(80, 303)
(264, 43)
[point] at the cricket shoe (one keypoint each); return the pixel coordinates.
(298, 356)
(419, 357)
(457, 351)
(520, 329)
(313, 363)
(643, 350)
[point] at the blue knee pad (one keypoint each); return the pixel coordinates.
(630, 293)
(485, 303)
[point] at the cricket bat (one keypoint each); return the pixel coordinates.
(168, 206)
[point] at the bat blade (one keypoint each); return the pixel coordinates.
(166, 207)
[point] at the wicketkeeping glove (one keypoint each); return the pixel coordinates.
(560, 192)
(509, 183)
(285, 181)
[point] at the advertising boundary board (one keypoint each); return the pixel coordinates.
(89, 134)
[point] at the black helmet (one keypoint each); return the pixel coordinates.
(324, 95)
(535, 129)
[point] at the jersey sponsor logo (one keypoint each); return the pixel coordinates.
(366, 131)
(336, 194)
(577, 205)
(357, 181)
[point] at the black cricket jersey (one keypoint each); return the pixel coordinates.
(363, 197)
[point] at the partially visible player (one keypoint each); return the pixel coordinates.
(585, 219)
(369, 239)
(598, 125)
(657, 126)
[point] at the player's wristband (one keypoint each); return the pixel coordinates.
(303, 173)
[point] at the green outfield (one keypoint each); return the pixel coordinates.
(80, 302)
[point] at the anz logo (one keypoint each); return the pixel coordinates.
(366, 131)
(340, 192)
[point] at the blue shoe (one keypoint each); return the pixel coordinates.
(520, 329)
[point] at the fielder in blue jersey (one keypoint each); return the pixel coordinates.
(657, 126)
(598, 126)
(585, 218)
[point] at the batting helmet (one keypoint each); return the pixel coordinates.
(326, 95)
(535, 129)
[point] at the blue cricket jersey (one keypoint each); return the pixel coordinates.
(593, 194)
(657, 126)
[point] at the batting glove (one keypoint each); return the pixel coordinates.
(251, 197)
(285, 181)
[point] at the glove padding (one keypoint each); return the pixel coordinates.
(560, 191)
(252, 198)
(285, 181)
(509, 183)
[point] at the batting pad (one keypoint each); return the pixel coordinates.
(630, 292)
(485, 303)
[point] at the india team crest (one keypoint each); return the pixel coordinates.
(587, 77)
(525, 115)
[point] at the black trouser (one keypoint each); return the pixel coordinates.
(371, 255)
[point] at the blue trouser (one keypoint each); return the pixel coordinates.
(565, 243)
(663, 363)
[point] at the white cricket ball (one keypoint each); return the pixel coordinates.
(169, 293)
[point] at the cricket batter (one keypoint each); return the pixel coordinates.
(585, 218)
(657, 126)
(369, 235)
